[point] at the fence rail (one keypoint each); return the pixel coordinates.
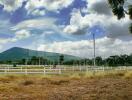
(30, 71)
(58, 70)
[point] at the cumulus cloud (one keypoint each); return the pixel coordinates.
(19, 35)
(51, 5)
(22, 34)
(38, 12)
(99, 14)
(104, 47)
(77, 23)
(3, 41)
(99, 6)
(11, 5)
(80, 23)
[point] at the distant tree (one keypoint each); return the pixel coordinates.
(1, 62)
(123, 60)
(112, 60)
(70, 62)
(129, 60)
(119, 10)
(8, 62)
(23, 61)
(89, 62)
(34, 60)
(99, 61)
(61, 59)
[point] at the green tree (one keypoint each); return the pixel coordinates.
(119, 10)
(23, 61)
(99, 61)
(61, 59)
(34, 60)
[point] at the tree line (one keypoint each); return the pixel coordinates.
(116, 60)
(35, 60)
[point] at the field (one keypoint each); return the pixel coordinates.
(115, 85)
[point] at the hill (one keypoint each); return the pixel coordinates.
(17, 53)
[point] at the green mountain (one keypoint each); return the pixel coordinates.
(17, 53)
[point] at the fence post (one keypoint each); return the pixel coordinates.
(73, 67)
(80, 68)
(21, 68)
(8, 68)
(59, 70)
(44, 71)
(103, 69)
(64, 67)
(87, 69)
(26, 71)
(5, 70)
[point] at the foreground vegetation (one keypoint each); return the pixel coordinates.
(113, 85)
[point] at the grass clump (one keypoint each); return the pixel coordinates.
(128, 74)
(89, 75)
(75, 76)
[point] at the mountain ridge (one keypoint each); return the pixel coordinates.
(18, 53)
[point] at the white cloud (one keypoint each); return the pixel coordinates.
(79, 23)
(19, 35)
(97, 16)
(22, 34)
(11, 5)
(51, 5)
(36, 24)
(99, 6)
(3, 41)
(104, 47)
(127, 2)
(38, 12)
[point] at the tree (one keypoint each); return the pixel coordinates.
(119, 10)
(99, 61)
(23, 61)
(34, 60)
(61, 59)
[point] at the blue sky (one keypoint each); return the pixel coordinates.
(61, 26)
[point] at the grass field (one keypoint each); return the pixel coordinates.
(114, 85)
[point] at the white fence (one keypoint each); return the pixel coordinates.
(31, 69)
(90, 68)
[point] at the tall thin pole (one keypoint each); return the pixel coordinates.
(94, 50)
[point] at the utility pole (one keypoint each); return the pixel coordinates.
(94, 63)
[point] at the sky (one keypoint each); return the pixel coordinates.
(64, 26)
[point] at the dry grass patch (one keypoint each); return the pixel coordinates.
(128, 74)
(73, 86)
(27, 82)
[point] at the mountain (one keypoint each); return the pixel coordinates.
(17, 53)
